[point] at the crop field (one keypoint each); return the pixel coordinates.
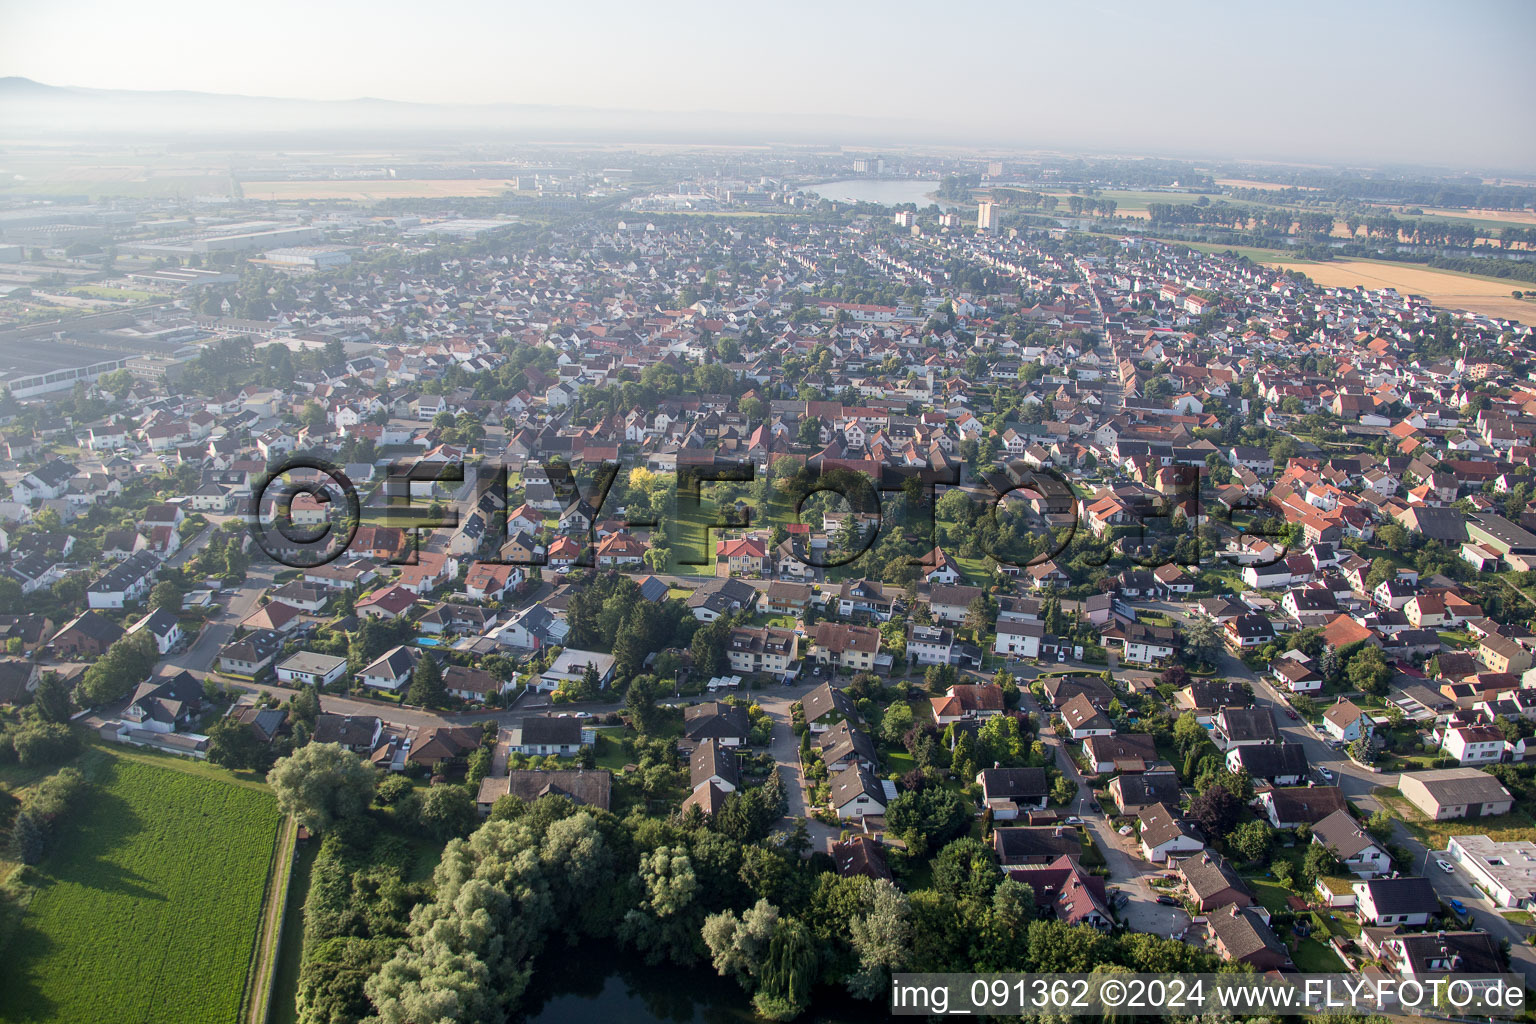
(148, 906)
(1442, 287)
(371, 190)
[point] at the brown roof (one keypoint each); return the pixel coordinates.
(1309, 804)
(860, 855)
(590, 787)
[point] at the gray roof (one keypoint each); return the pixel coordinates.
(709, 760)
(848, 785)
(1460, 785)
(826, 699)
(1403, 895)
(1270, 760)
(843, 741)
(544, 730)
(1342, 833)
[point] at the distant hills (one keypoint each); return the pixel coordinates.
(28, 107)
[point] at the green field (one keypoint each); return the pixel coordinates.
(147, 907)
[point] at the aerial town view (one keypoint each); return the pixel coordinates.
(654, 513)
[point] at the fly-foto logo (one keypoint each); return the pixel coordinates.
(305, 512)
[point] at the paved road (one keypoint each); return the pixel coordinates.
(1128, 872)
(200, 656)
(1357, 784)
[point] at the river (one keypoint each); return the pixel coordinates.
(890, 192)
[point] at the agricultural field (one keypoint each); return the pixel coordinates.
(369, 190)
(1522, 218)
(1442, 287)
(148, 906)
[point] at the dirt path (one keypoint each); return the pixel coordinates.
(259, 982)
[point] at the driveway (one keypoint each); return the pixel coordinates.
(1128, 872)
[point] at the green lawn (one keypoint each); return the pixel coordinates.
(609, 749)
(148, 906)
(1315, 957)
(899, 762)
(285, 980)
(1271, 894)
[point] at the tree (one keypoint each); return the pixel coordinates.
(1188, 733)
(1368, 670)
(1202, 641)
(427, 683)
(50, 701)
(166, 596)
(738, 945)
(1252, 840)
(966, 869)
(881, 936)
(709, 648)
(1319, 862)
(1176, 676)
(44, 743)
(233, 745)
(927, 818)
(784, 985)
(126, 664)
(322, 784)
(981, 614)
(448, 811)
(895, 722)
(1217, 810)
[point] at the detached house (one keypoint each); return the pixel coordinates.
(391, 670)
(1346, 722)
(1359, 852)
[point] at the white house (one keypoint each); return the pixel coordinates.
(391, 670)
(1018, 640)
(1410, 902)
(1163, 834)
(305, 668)
(857, 793)
(1346, 722)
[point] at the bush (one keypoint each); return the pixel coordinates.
(44, 743)
(393, 788)
(39, 818)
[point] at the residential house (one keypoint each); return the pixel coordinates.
(1289, 806)
(391, 670)
(1361, 854)
(305, 668)
(856, 793)
(825, 706)
(1165, 834)
(545, 735)
(727, 724)
(1407, 901)
(854, 648)
(1008, 792)
(571, 667)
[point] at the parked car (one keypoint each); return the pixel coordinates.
(1326, 774)
(1168, 901)
(1459, 907)
(1446, 866)
(1074, 820)
(1294, 716)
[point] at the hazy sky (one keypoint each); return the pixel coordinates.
(1450, 83)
